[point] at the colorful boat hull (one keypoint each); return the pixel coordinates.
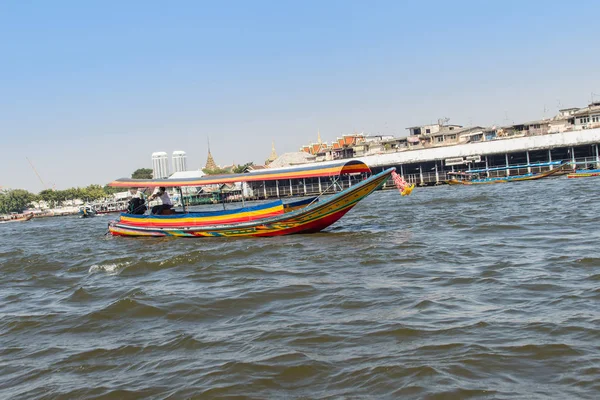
(314, 217)
(518, 178)
(584, 173)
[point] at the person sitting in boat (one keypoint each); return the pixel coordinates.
(136, 193)
(137, 204)
(164, 198)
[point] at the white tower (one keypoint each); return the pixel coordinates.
(160, 165)
(179, 161)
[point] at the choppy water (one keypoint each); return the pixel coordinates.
(454, 292)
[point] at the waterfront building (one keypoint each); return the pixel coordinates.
(588, 117)
(179, 160)
(160, 165)
(287, 159)
(426, 158)
(441, 126)
(186, 175)
(338, 149)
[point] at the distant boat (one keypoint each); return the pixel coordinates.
(87, 211)
(478, 178)
(16, 218)
(110, 207)
(590, 170)
(584, 173)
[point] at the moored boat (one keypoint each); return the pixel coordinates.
(107, 207)
(586, 169)
(584, 173)
(17, 218)
(479, 177)
(270, 219)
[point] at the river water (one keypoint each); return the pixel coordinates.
(454, 292)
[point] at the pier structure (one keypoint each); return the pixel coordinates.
(430, 152)
(502, 157)
(430, 166)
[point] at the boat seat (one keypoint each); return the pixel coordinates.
(168, 212)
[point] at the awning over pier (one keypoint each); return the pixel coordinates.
(327, 169)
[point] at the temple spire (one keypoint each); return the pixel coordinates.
(210, 162)
(273, 155)
(319, 136)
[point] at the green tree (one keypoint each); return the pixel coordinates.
(94, 192)
(49, 196)
(15, 200)
(216, 171)
(241, 168)
(142, 173)
(109, 190)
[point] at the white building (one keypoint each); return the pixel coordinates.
(179, 161)
(160, 165)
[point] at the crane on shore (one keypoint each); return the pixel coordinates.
(38, 175)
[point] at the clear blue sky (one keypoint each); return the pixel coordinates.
(89, 89)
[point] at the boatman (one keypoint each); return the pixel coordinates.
(164, 198)
(135, 193)
(137, 203)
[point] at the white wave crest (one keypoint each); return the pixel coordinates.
(109, 269)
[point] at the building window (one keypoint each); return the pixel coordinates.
(451, 128)
(439, 138)
(427, 130)
(452, 137)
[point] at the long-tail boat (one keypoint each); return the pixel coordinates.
(269, 219)
(589, 169)
(17, 218)
(476, 178)
(584, 173)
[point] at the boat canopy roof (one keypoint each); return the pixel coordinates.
(327, 169)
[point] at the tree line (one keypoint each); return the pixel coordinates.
(17, 200)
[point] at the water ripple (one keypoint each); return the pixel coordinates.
(451, 293)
